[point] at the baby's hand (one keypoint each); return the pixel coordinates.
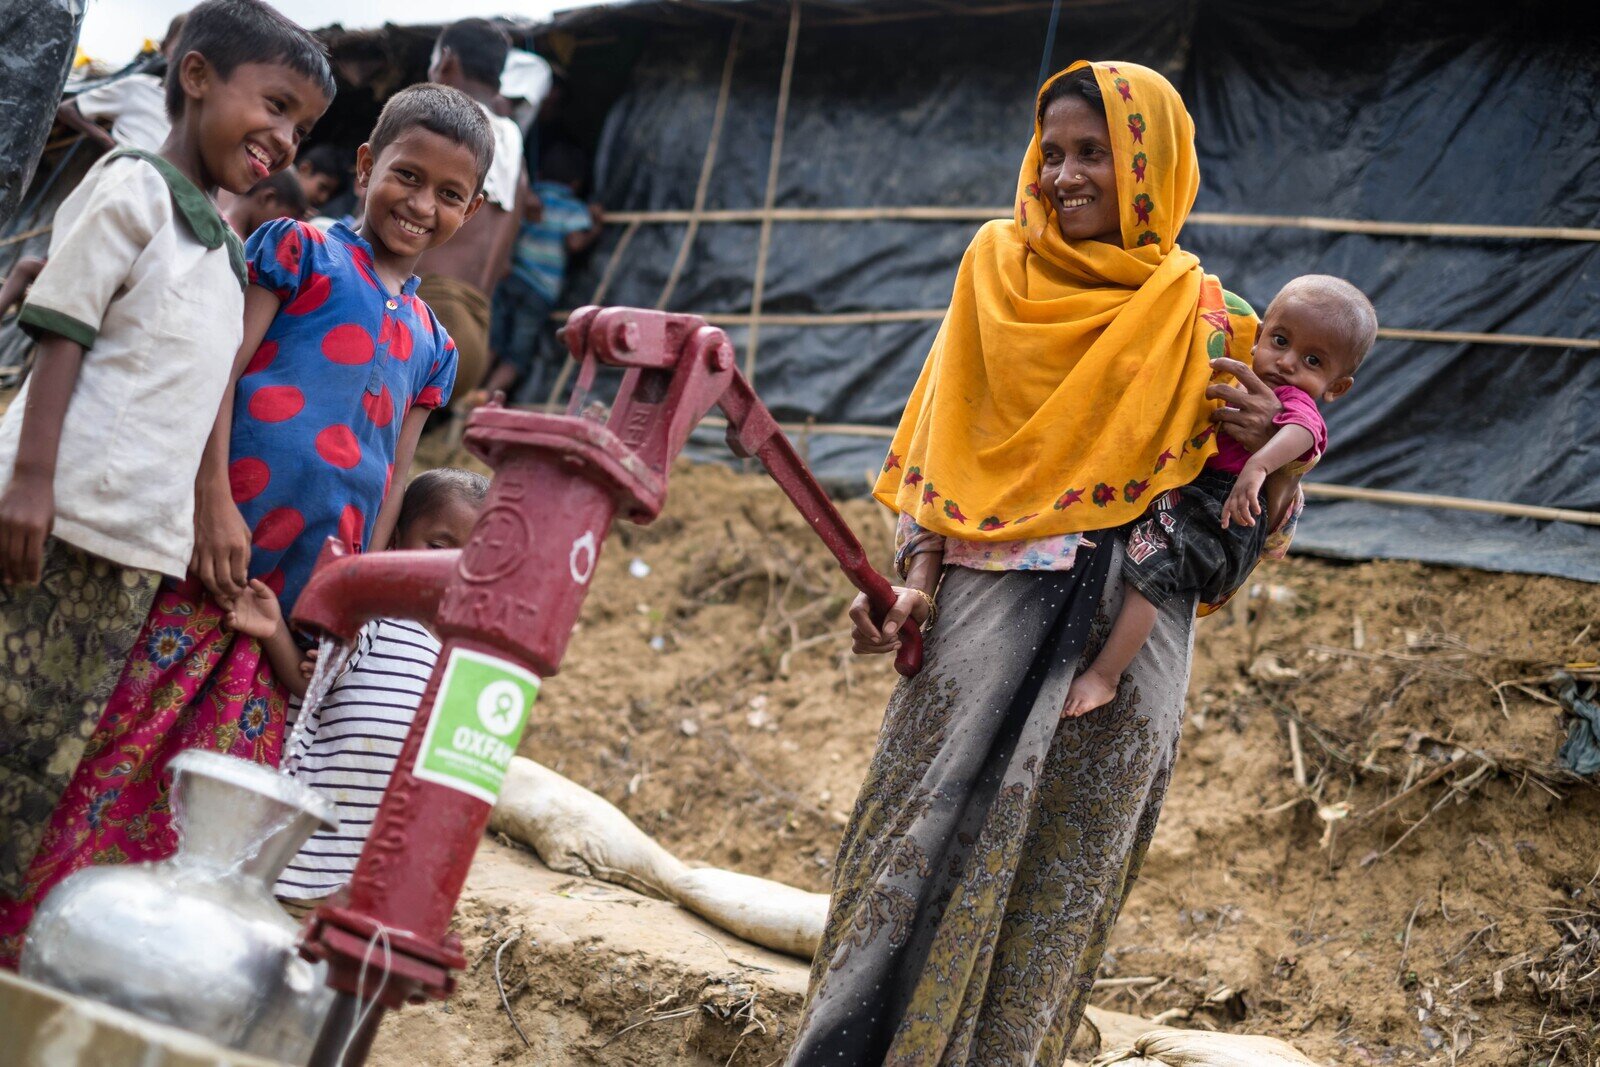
(1244, 504)
(308, 666)
(255, 612)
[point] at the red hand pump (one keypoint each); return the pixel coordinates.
(504, 607)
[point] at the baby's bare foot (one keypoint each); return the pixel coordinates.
(1088, 691)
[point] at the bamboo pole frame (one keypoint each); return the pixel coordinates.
(931, 213)
(707, 164)
(881, 318)
(758, 291)
(1313, 490)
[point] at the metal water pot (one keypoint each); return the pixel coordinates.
(197, 941)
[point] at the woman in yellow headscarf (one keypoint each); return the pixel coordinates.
(993, 842)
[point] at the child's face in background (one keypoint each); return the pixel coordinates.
(250, 123)
(319, 187)
(446, 526)
(1300, 344)
(419, 192)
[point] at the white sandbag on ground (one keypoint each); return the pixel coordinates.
(1167, 1047)
(578, 832)
(771, 914)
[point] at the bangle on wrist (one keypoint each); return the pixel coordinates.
(933, 607)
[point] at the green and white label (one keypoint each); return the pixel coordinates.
(483, 705)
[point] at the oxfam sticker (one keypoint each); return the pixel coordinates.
(477, 721)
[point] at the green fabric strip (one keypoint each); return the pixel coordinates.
(201, 215)
(36, 320)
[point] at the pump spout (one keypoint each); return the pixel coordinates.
(347, 591)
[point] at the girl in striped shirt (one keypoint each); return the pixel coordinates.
(348, 748)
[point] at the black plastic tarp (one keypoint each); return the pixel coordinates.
(39, 39)
(1409, 112)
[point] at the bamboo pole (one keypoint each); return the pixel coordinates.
(600, 290)
(758, 292)
(930, 213)
(26, 235)
(1451, 503)
(880, 318)
(707, 164)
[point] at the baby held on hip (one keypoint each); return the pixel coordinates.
(1312, 340)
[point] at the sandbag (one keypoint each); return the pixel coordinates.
(768, 913)
(1167, 1047)
(578, 832)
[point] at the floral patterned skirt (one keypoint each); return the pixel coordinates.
(188, 683)
(993, 843)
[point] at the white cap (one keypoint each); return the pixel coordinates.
(526, 77)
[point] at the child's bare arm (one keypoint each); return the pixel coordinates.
(583, 240)
(28, 506)
(405, 448)
(257, 613)
(1287, 445)
(72, 118)
(221, 557)
(16, 284)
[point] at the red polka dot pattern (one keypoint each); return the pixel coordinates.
(276, 403)
(248, 478)
(262, 359)
(338, 445)
(278, 528)
(380, 408)
(352, 527)
(288, 254)
(313, 294)
(348, 343)
(397, 337)
(363, 264)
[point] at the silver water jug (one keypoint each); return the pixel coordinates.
(197, 941)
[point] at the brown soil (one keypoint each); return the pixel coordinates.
(715, 701)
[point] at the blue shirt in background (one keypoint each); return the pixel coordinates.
(539, 260)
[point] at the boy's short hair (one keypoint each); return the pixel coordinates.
(290, 193)
(230, 33)
(432, 488)
(447, 112)
(330, 160)
(1346, 304)
(480, 46)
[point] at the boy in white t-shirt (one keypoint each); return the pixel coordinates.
(135, 105)
(138, 313)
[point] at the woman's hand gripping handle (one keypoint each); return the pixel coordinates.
(888, 618)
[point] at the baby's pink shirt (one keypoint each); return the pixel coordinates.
(1299, 409)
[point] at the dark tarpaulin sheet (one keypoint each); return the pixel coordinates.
(1406, 111)
(40, 38)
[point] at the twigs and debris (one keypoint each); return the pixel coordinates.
(500, 984)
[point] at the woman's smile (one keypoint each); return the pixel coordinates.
(1076, 167)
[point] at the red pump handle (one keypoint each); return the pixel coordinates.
(881, 595)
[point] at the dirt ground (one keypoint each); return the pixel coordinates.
(1367, 851)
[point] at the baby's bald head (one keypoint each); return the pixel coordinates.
(1341, 305)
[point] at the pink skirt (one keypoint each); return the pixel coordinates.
(189, 683)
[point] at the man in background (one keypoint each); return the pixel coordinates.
(458, 277)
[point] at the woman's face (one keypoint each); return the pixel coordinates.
(1078, 173)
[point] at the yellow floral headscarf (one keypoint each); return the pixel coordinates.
(1066, 386)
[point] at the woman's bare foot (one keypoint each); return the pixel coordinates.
(1088, 691)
